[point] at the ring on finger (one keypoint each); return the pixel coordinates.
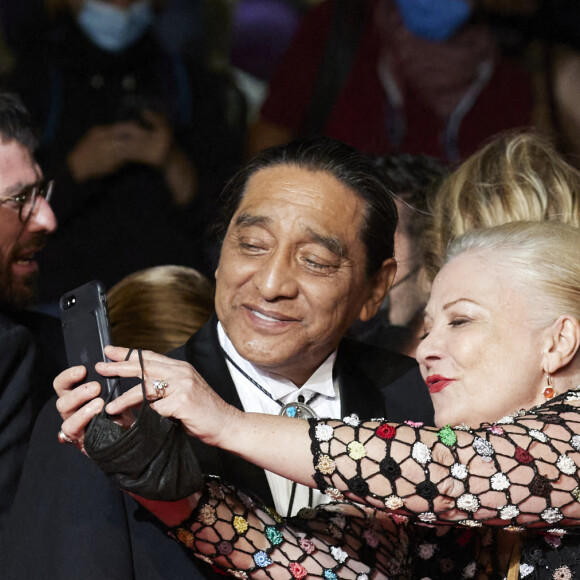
(160, 387)
(64, 438)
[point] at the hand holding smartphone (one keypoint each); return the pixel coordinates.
(85, 326)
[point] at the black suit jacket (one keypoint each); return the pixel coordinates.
(69, 521)
(16, 382)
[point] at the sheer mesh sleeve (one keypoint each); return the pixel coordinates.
(235, 533)
(519, 472)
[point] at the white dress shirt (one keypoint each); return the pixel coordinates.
(326, 404)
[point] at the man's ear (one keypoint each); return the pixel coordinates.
(380, 284)
(562, 341)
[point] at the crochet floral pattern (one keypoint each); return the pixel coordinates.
(467, 489)
(520, 474)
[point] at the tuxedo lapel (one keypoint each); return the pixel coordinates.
(358, 394)
(203, 351)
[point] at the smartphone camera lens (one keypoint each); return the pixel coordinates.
(68, 302)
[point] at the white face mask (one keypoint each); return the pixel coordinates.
(112, 28)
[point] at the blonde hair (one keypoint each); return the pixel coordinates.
(159, 308)
(541, 257)
(515, 177)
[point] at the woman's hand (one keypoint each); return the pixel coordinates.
(77, 405)
(186, 396)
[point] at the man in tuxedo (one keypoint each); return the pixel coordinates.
(26, 221)
(307, 248)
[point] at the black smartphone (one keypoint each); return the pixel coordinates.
(85, 326)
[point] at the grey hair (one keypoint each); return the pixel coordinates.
(541, 257)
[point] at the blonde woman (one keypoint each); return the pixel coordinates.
(517, 176)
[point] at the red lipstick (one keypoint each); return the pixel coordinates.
(437, 383)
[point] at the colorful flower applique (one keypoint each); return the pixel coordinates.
(338, 554)
(566, 465)
(240, 525)
(483, 448)
(386, 431)
(356, 450)
(297, 570)
(459, 471)
(262, 559)
(334, 494)
(323, 432)
(427, 517)
(539, 436)
(225, 548)
(562, 573)
(185, 537)
(215, 490)
(426, 550)
(421, 453)
(326, 465)
(507, 512)
(393, 502)
(307, 545)
(274, 514)
(575, 442)
(207, 515)
(523, 456)
(447, 436)
(496, 430)
(552, 515)
(352, 420)
(467, 502)
(469, 570)
(499, 481)
(274, 536)
(526, 570)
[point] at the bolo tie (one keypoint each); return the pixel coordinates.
(299, 409)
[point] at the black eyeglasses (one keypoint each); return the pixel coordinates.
(24, 202)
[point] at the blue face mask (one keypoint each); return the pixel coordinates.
(112, 28)
(435, 20)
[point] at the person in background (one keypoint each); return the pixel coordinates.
(515, 176)
(395, 76)
(412, 179)
(31, 344)
(141, 141)
(159, 308)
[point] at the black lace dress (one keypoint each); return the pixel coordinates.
(499, 501)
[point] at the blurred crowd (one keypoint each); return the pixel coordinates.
(145, 108)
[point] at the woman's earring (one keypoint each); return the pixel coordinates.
(549, 391)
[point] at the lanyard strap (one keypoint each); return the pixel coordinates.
(259, 386)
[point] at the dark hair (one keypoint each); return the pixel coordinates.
(16, 122)
(415, 175)
(347, 165)
(412, 179)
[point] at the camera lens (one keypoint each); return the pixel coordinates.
(68, 301)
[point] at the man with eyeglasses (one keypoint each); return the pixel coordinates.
(30, 347)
